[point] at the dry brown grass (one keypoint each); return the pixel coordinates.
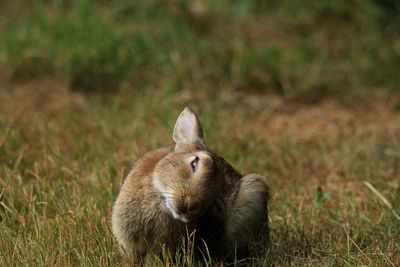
(63, 157)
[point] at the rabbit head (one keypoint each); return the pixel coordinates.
(187, 177)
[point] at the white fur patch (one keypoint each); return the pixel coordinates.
(169, 203)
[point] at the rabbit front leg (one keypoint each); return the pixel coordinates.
(247, 218)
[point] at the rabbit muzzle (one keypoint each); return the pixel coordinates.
(183, 207)
(187, 208)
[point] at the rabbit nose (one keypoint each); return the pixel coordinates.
(182, 209)
(183, 205)
(193, 205)
(188, 205)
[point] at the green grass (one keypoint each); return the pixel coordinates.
(62, 169)
(241, 66)
(334, 47)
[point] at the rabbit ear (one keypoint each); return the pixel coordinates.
(187, 129)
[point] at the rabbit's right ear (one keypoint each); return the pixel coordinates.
(188, 130)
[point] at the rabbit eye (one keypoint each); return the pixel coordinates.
(195, 163)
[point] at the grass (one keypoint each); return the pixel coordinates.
(63, 164)
(279, 96)
(335, 47)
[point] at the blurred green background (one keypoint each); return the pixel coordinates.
(304, 92)
(292, 47)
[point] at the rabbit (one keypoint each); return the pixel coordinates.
(187, 188)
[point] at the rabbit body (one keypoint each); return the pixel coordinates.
(172, 192)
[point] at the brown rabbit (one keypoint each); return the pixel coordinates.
(173, 191)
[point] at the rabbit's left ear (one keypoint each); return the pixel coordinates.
(187, 129)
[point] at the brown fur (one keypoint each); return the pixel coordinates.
(163, 198)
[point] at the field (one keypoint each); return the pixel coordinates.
(305, 94)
